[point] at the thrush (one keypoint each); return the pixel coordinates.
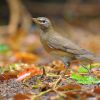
(60, 47)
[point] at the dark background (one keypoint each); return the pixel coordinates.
(54, 8)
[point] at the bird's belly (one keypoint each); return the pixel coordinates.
(60, 53)
(63, 56)
(57, 54)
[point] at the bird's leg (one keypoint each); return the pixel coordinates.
(68, 68)
(90, 67)
(68, 64)
(86, 69)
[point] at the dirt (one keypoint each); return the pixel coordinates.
(9, 88)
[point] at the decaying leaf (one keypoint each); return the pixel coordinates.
(20, 96)
(7, 76)
(97, 90)
(69, 87)
(28, 72)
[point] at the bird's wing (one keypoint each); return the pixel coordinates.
(61, 43)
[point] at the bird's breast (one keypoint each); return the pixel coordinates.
(47, 48)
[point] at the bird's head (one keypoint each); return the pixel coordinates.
(43, 23)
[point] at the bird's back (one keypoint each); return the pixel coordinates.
(68, 48)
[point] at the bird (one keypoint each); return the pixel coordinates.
(59, 47)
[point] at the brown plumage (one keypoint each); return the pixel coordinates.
(60, 47)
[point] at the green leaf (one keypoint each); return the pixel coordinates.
(4, 48)
(85, 79)
(87, 67)
(83, 70)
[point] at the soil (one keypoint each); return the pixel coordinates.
(9, 88)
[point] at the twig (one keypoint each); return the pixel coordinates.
(52, 75)
(40, 94)
(57, 81)
(59, 93)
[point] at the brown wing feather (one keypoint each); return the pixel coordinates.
(66, 45)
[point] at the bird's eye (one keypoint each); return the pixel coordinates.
(43, 21)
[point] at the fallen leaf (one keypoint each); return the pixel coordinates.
(58, 65)
(69, 87)
(84, 79)
(20, 96)
(25, 57)
(28, 72)
(7, 76)
(97, 90)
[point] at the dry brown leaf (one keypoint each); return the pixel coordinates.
(7, 76)
(69, 87)
(25, 57)
(20, 96)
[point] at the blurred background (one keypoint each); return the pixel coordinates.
(79, 20)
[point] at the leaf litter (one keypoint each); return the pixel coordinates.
(14, 83)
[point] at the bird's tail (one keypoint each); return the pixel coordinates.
(88, 58)
(96, 59)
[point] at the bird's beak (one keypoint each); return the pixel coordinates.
(35, 20)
